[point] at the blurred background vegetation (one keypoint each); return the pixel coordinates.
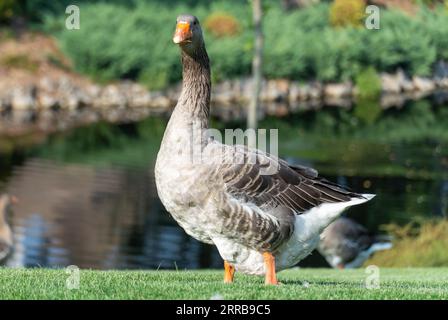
(322, 41)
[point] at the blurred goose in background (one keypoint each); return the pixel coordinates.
(6, 201)
(347, 244)
(263, 214)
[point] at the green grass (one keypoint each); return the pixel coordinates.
(425, 283)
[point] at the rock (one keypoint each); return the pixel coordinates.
(295, 92)
(441, 70)
(275, 90)
(299, 92)
(391, 83)
(392, 100)
(442, 83)
(405, 83)
(46, 100)
(47, 84)
(93, 91)
(5, 102)
(140, 100)
(314, 90)
(423, 84)
(246, 89)
(71, 102)
(158, 99)
(65, 85)
(23, 98)
(224, 93)
(111, 96)
(338, 90)
(137, 96)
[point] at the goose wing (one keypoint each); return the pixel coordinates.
(263, 194)
(268, 182)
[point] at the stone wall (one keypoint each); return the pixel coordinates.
(56, 103)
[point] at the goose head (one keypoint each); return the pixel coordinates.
(188, 33)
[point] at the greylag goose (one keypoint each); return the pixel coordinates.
(347, 244)
(5, 231)
(260, 221)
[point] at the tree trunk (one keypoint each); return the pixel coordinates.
(256, 65)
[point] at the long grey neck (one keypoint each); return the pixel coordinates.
(194, 101)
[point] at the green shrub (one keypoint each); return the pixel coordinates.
(402, 42)
(418, 244)
(133, 41)
(368, 84)
(436, 25)
(347, 13)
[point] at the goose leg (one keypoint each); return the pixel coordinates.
(229, 272)
(269, 262)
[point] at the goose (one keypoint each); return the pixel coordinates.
(5, 230)
(261, 220)
(347, 244)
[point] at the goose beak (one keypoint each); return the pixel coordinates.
(183, 33)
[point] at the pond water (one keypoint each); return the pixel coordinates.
(87, 197)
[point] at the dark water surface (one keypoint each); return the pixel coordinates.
(87, 197)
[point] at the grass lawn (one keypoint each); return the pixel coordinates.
(425, 283)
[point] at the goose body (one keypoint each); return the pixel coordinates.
(263, 214)
(347, 244)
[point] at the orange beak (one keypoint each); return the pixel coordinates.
(183, 33)
(14, 200)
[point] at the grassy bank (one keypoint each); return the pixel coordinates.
(428, 283)
(418, 244)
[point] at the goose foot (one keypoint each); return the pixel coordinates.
(269, 262)
(229, 272)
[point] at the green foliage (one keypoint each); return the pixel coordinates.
(402, 42)
(133, 41)
(368, 84)
(417, 244)
(347, 13)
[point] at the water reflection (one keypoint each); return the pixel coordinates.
(96, 218)
(88, 197)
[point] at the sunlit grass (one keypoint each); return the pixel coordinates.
(431, 283)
